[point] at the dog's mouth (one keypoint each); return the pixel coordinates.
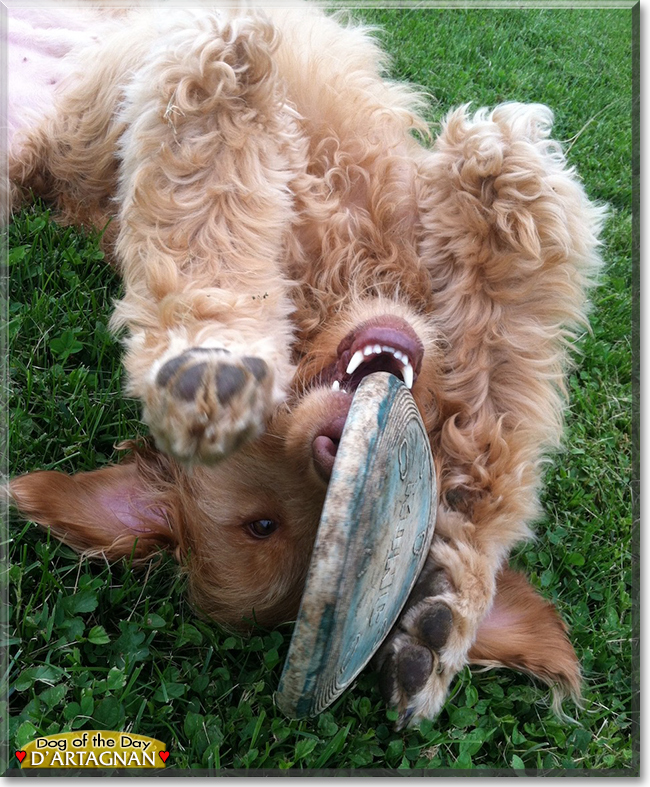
(385, 344)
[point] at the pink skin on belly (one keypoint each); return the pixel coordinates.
(38, 40)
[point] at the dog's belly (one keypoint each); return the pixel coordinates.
(39, 43)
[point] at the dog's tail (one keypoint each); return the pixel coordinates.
(523, 631)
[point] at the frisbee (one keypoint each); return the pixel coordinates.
(373, 538)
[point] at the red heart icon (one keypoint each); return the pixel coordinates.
(21, 755)
(163, 755)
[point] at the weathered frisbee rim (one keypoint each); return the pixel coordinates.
(328, 649)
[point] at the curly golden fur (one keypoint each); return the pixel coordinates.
(266, 197)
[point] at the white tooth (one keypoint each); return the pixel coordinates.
(335, 385)
(390, 350)
(408, 376)
(376, 349)
(355, 362)
(368, 350)
(400, 356)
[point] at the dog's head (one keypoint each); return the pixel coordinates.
(243, 530)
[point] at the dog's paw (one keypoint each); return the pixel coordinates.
(206, 401)
(418, 659)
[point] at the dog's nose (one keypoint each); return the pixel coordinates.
(324, 450)
(325, 446)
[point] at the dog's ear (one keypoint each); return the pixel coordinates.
(523, 631)
(116, 511)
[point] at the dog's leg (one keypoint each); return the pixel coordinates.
(522, 631)
(510, 240)
(67, 154)
(187, 114)
(429, 644)
(206, 226)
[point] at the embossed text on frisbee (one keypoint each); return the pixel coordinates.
(377, 615)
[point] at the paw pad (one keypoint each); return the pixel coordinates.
(188, 382)
(414, 665)
(414, 674)
(230, 381)
(168, 370)
(434, 625)
(206, 401)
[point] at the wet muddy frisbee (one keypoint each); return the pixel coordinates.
(372, 541)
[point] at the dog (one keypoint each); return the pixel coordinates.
(283, 229)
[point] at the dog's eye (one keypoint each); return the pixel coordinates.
(261, 528)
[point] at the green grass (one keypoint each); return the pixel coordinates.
(92, 646)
